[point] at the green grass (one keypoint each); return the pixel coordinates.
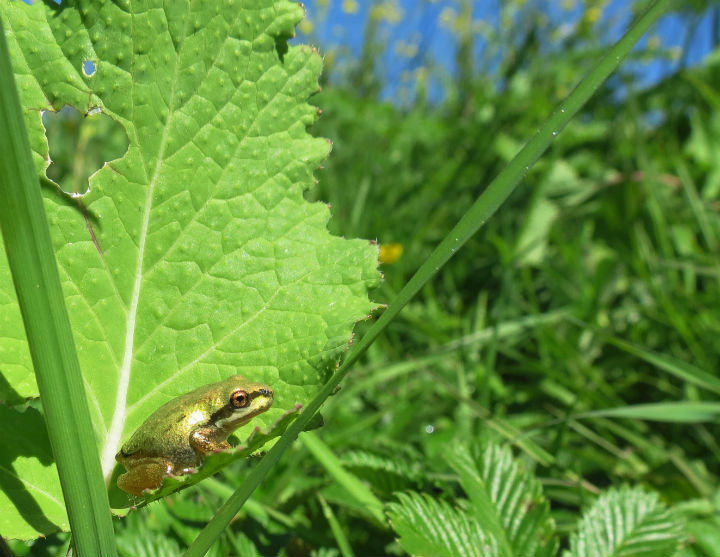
(577, 327)
(30, 254)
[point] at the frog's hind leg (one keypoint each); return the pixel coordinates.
(147, 473)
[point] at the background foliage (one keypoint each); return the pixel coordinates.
(595, 286)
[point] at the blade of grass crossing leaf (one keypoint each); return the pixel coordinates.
(351, 483)
(37, 283)
(483, 208)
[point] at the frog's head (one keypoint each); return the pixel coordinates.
(243, 400)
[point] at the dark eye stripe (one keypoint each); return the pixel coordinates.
(228, 410)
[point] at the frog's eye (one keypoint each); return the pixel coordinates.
(239, 399)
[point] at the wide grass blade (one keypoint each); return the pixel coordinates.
(37, 283)
(483, 208)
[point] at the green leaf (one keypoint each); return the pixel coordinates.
(507, 515)
(507, 501)
(705, 535)
(141, 537)
(627, 521)
(386, 473)
(429, 527)
(25, 464)
(194, 256)
(532, 243)
(17, 381)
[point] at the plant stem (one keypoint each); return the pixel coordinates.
(35, 275)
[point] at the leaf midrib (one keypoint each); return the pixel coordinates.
(117, 424)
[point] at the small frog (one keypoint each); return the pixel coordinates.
(177, 436)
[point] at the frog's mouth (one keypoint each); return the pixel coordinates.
(229, 418)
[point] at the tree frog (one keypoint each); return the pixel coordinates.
(178, 435)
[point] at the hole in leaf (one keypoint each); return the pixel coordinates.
(88, 68)
(80, 145)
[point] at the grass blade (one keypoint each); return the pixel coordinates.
(37, 283)
(340, 537)
(674, 412)
(682, 370)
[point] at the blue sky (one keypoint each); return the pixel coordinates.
(334, 28)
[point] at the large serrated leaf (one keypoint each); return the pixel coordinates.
(194, 256)
(627, 522)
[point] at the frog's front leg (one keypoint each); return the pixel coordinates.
(145, 473)
(209, 440)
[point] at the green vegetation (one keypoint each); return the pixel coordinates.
(552, 390)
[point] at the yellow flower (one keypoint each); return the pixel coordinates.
(390, 253)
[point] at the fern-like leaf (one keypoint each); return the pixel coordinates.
(624, 522)
(432, 528)
(507, 501)
(386, 474)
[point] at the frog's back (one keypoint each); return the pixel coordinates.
(167, 430)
